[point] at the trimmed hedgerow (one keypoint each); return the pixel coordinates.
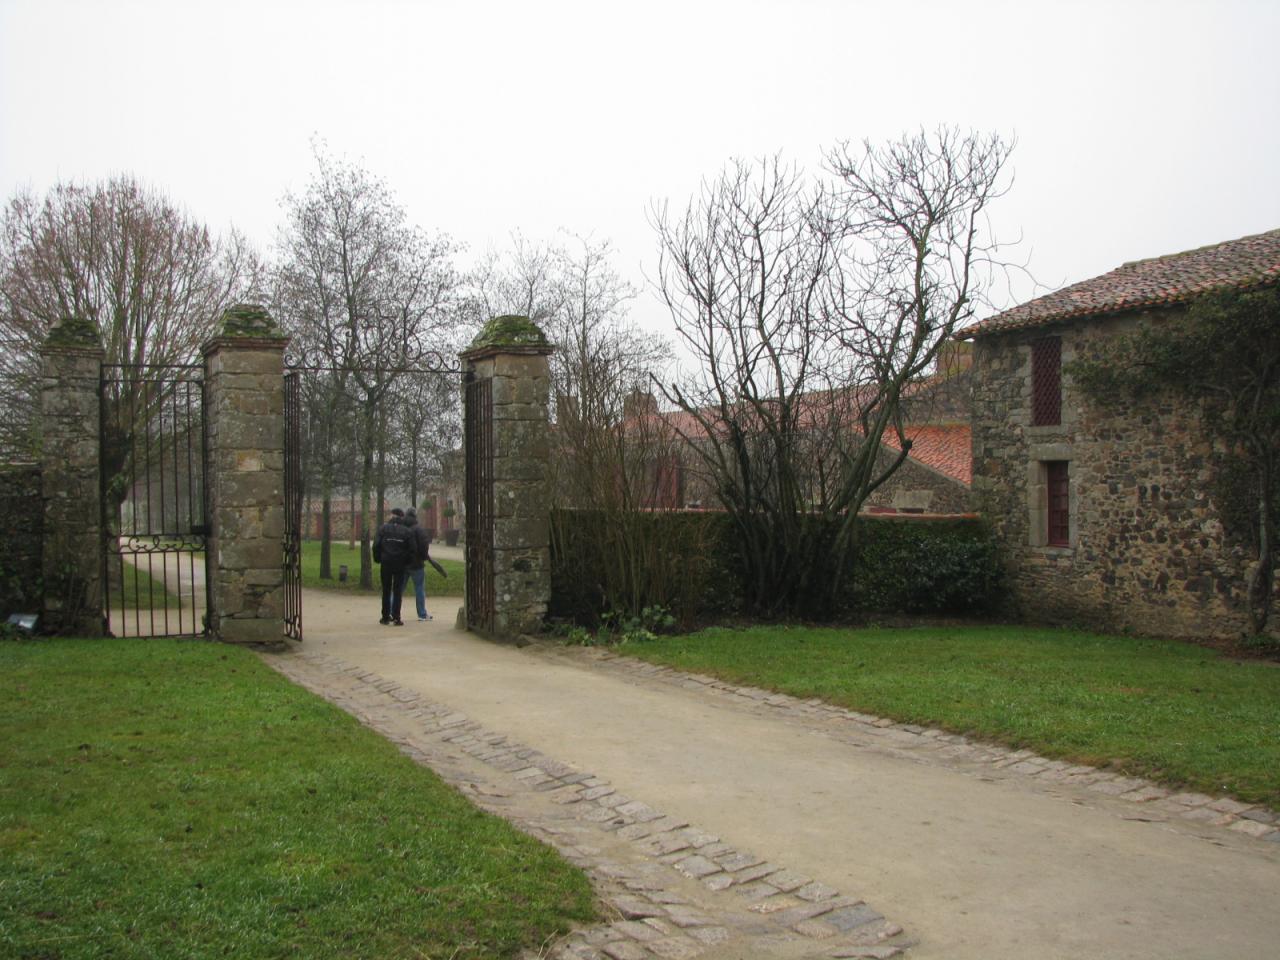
(678, 561)
(925, 566)
(688, 563)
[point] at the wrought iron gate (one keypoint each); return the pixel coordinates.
(154, 456)
(292, 507)
(479, 502)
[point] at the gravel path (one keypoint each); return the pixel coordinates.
(791, 828)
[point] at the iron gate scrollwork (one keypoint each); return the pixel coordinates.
(479, 503)
(155, 513)
(292, 507)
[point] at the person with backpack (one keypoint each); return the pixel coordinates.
(417, 573)
(394, 549)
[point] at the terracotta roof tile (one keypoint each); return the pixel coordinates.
(1174, 278)
(947, 448)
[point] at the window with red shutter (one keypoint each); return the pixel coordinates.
(1059, 512)
(1046, 382)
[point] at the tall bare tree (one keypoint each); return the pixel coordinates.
(814, 307)
(613, 453)
(523, 280)
(150, 277)
(364, 293)
(428, 423)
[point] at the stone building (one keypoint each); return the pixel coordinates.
(1106, 514)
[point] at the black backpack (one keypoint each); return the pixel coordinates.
(397, 545)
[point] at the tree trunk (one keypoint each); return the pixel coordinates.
(413, 471)
(381, 475)
(326, 537)
(366, 552)
(326, 524)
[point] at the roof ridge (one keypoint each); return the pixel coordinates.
(1184, 253)
(1242, 263)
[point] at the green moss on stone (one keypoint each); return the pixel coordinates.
(510, 331)
(74, 332)
(249, 320)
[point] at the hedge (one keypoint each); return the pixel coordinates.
(689, 564)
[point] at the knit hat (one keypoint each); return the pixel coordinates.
(397, 512)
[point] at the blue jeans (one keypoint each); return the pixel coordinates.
(419, 578)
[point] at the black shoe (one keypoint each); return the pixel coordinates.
(384, 621)
(398, 623)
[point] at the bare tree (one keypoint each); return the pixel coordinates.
(523, 281)
(814, 307)
(365, 293)
(601, 373)
(428, 421)
(151, 278)
(613, 451)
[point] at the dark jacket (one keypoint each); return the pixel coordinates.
(422, 547)
(399, 559)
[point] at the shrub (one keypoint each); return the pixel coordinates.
(676, 561)
(925, 566)
(687, 563)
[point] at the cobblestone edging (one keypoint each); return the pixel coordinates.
(1253, 820)
(677, 891)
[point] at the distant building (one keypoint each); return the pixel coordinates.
(933, 479)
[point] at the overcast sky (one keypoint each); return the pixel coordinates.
(1142, 128)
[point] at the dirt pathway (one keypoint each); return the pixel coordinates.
(977, 853)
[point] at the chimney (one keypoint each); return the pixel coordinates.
(955, 356)
(638, 403)
(566, 408)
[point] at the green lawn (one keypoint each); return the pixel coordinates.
(141, 590)
(178, 799)
(436, 585)
(1161, 709)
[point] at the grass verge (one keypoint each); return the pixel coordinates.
(436, 585)
(176, 799)
(143, 591)
(1170, 711)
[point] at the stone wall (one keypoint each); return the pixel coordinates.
(245, 426)
(521, 499)
(512, 353)
(21, 533)
(71, 479)
(1147, 551)
(917, 488)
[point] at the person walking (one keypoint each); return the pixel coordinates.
(417, 572)
(394, 548)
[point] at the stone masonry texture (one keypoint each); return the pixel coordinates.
(21, 533)
(71, 369)
(245, 417)
(521, 459)
(1147, 550)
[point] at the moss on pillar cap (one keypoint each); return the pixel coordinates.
(250, 320)
(510, 331)
(74, 332)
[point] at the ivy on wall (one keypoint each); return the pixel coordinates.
(1222, 353)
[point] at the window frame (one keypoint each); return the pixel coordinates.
(1057, 513)
(1046, 382)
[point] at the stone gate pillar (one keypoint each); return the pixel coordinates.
(511, 353)
(71, 479)
(244, 417)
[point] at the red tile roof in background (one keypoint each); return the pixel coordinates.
(947, 448)
(1174, 278)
